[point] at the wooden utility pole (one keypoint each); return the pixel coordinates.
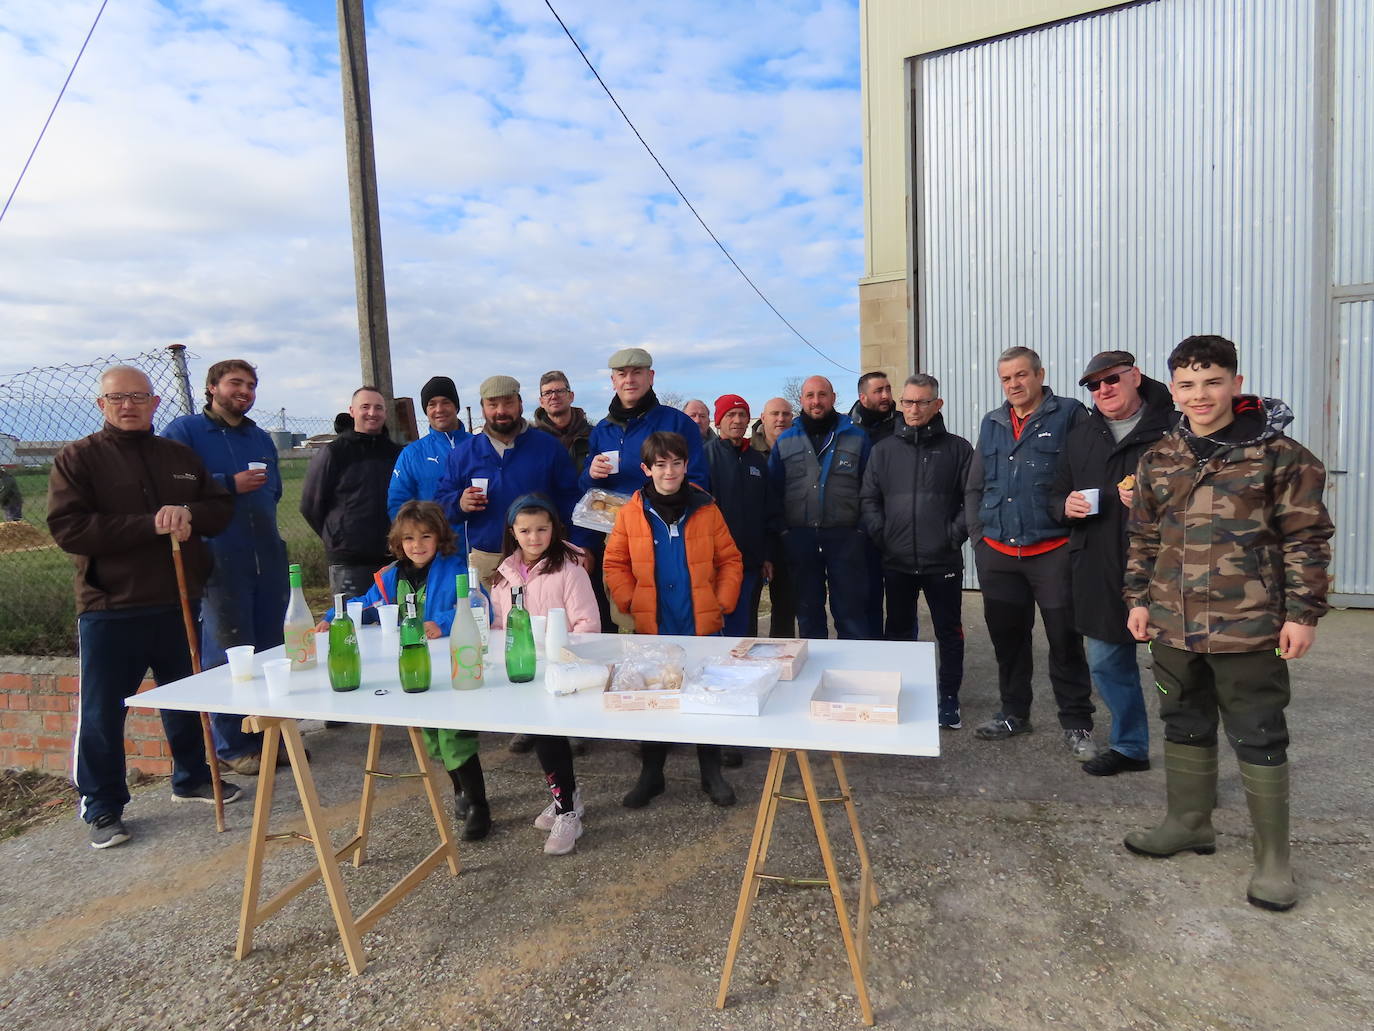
(374, 340)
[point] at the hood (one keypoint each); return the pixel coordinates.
(1155, 401)
(861, 416)
(1257, 419)
(916, 434)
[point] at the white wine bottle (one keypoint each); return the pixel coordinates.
(299, 626)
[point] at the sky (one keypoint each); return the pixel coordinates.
(192, 189)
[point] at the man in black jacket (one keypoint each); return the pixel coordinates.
(1092, 495)
(344, 495)
(913, 509)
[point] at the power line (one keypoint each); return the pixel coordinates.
(729, 257)
(48, 120)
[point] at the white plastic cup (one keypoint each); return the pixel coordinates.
(539, 627)
(240, 662)
(556, 636)
(258, 467)
(278, 673)
(480, 482)
(355, 612)
(389, 615)
(1093, 495)
(614, 458)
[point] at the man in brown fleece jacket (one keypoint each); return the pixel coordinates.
(114, 497)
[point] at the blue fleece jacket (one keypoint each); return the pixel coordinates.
(534, 463)
(628, 437)
(420, 468)
(441, 591)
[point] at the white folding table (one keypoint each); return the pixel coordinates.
(785, 727)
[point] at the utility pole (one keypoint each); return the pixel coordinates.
(374, 341)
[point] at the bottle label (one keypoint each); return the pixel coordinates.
(467, 663)
(300, 646)
(479, 615)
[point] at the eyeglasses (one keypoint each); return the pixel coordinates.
(138, 398)
(555, 392)
(1095, 385)
(907, 403)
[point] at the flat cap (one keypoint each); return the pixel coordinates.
(498, 386)
(631, 357)
(1105, 360)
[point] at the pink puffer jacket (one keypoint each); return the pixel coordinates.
(570, 589)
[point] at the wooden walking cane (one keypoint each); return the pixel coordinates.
(210, 758)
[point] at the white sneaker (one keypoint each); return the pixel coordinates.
(544, 821)
(563, 838)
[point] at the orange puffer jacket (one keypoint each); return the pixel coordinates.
(713, 562)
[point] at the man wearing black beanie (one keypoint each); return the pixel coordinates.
(422, 462)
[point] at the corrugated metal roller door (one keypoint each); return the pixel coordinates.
(1121, 181)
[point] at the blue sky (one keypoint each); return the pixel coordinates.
(192, 189)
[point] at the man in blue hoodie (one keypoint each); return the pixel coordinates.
(422, 462)
(245, 598)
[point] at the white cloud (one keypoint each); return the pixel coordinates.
(192, 189)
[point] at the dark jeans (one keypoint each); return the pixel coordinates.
(1250, 690)
(746, 614)
(945, 596)
(1012, 590)
(833, 558)
(117, 648)
(352, 581)
(1117, 675)
(874, 603)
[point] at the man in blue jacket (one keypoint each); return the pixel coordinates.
(245, 598)
(513, 458)
(817, 467)
(422, 462)
(634, 413)
(1020, 548)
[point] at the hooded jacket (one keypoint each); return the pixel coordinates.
(878, 425)
(420, 467)
(627, 434)
(344, 496)
(573, 437)
(569, 589)
(1092, 457)
(103, 492)
(441, 591)
(913, 498)
(714, 568)
(1224, 550)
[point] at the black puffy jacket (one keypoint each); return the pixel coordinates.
(344, 497)
(913, 498)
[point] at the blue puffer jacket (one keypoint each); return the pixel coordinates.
(420, 468)
(227, 450)
(534, 463)
(441, 591)
(1007, 497)
(628, 435)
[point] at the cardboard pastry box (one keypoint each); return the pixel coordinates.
(857, 696)
(789, 652)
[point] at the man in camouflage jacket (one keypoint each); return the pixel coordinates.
(1226, 576)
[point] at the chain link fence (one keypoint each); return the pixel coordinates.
(44, 408)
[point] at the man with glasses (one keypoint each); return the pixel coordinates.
(115, 500)
(1100, 456)
(913, 511)
(557, 415)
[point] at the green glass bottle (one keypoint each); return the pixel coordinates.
(413, 662)
(519, 640)
(345, 662)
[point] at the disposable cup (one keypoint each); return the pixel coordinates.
(388, 614)
(1094, 499)
(480, 482)
(614, 458)
(556, 636)
(240, 662)
(355, 612)
(257, 466)
(539, 626)
(278, 673)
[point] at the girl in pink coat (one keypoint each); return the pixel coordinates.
(538, 558)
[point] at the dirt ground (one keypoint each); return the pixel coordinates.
(1007, 901)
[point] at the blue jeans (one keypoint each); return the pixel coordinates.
(737, 622)
(1117, 676)
(835, 558)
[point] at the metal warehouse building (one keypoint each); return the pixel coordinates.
(1082, 176)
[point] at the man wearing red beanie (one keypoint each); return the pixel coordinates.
(744, 494)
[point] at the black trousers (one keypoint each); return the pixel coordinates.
(1012, 590)
(945, 597)
(596, 551)
(782, 597)
(1249, 690)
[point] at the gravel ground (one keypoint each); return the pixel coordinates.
(1007, 901)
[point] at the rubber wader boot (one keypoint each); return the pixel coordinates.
(652, 756)
(477, 824)
(713, 781)
(1191, 782)
(1266, 791)
(461, 802)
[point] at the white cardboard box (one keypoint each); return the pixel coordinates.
(857, 696)
(789, 652)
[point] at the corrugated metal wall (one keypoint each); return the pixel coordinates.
(1352, 496)
(1353, 145)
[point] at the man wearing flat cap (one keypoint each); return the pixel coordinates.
(634, 413)
(422, 462)
(491, 468)
(1130, 413)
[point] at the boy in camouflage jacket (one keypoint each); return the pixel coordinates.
(1226, 577)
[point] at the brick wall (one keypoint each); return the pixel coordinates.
(38, 719)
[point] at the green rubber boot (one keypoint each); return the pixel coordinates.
(1191, 781)
(1266, 792)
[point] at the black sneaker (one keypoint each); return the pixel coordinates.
(1001, 727)
(206, 793)
(108, 831)
(1111, 762)
(949, 714)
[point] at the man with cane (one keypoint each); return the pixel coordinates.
(114, 499)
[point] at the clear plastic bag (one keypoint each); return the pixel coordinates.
(597, 509)
(729, 686)
(649, 666)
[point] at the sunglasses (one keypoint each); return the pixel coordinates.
(1111, 381)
